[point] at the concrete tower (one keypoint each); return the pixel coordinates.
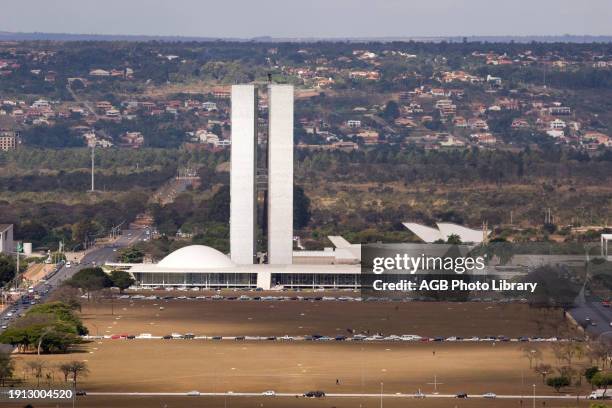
(280, 174)
(243, 202)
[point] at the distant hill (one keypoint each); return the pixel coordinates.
(9, 36)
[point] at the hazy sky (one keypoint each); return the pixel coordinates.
(309, 18)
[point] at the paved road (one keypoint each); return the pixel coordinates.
(598, 319)
(97, 256)
(332, 395)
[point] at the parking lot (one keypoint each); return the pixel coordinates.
(329, 319)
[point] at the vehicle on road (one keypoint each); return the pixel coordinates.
(461, 395)
(193, 393)
(600, 394)
(419, 395)
(490, 395)
(268, 393)
(314, 394)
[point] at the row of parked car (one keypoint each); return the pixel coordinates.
(300, 298)
(318, 337)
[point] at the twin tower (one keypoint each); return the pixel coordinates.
(243, 175)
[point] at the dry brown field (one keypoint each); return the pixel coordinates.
(297, 367)
(184, 365)
(268, 318)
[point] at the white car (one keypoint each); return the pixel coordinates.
(269, 393)
(193, 393)
(68, 264)
(419, 394)
(410, 337)
(489, 395)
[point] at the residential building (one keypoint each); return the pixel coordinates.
(597, 138)
(484, 138)
(209, 106)
(560, 110)
(133, 139)
(478, 124)
(520, 124)
(557, 124)
(99, 73)
(8, 140)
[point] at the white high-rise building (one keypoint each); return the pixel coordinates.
(280, 174)
(243, 202)
(7, 245)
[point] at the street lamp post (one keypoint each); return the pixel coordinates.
(534, 395)
(381, 394)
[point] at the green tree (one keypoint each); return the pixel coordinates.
(219, 205)
(590, 372)
(121, 280)
(82, 230)
(7, 269)
(602, 380)
(90, 280)
(132, 255)
(391, 111)
(52, 327)
(453, 239)
(301, 208)
(558, 382)
(59, 311)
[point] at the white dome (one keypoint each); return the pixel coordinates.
(196, 257)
